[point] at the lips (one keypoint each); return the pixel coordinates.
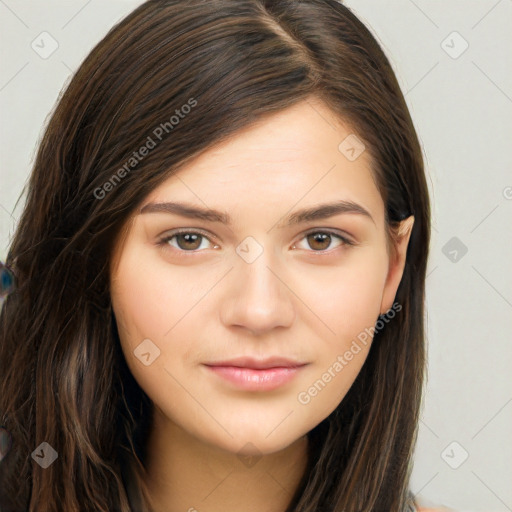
(259, 364)
(252, 374)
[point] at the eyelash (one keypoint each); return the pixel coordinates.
(164, 242)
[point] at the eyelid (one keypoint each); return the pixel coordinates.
(348, 239)
(345, 239)
(170, 234)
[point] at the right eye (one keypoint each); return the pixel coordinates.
(186, 240)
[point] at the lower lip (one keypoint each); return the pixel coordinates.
(256, 380)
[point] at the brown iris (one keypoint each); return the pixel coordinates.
(316, 239)
(191, 240)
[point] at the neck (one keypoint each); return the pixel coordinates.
(186, 474)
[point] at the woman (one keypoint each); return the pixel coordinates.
(220, 272)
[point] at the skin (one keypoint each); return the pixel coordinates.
(304, 299)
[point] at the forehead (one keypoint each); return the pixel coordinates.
(298, 155)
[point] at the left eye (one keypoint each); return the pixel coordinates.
(318, 239)
(190, 241)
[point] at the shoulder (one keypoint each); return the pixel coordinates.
(429, 509)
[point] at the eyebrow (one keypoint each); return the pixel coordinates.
(322, 211)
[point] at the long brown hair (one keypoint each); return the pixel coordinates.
(64, 380)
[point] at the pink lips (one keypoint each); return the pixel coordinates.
(256, 375)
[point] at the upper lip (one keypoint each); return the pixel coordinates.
(258, 364)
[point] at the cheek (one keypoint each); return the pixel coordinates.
(140, 317)
(147, 307)
(136, 316)
(358, 301)
(350, 308)
(347, 299)
(142, 298)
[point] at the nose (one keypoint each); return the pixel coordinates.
(257, 298)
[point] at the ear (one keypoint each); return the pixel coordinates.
(396, 263)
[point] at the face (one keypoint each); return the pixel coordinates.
(248, 326)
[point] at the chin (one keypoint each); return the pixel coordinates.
(252, 442)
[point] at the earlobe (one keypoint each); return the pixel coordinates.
(397, 263)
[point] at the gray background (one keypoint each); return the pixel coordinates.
(461, 100)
